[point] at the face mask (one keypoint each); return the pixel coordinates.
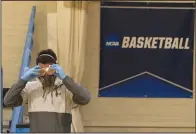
(47, 75)
(48, 81)
(46, 70)
(47, 78)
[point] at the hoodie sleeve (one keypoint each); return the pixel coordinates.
(16, 95)
(81, 95)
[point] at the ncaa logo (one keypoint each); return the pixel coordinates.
(112, 41)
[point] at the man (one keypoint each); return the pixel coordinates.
(49, 101)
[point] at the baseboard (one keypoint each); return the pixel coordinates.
(137, 129)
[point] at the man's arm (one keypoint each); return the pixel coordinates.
(17, 94)
(81, 95)
(13, 97)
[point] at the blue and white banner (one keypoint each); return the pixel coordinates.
(146, 50)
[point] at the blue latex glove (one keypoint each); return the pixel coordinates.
(31, 73)
(59, 71)
(26, 69)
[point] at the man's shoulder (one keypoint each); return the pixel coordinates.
(37, 82)
(34, 83)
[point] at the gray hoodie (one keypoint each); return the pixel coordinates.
(50, 114)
